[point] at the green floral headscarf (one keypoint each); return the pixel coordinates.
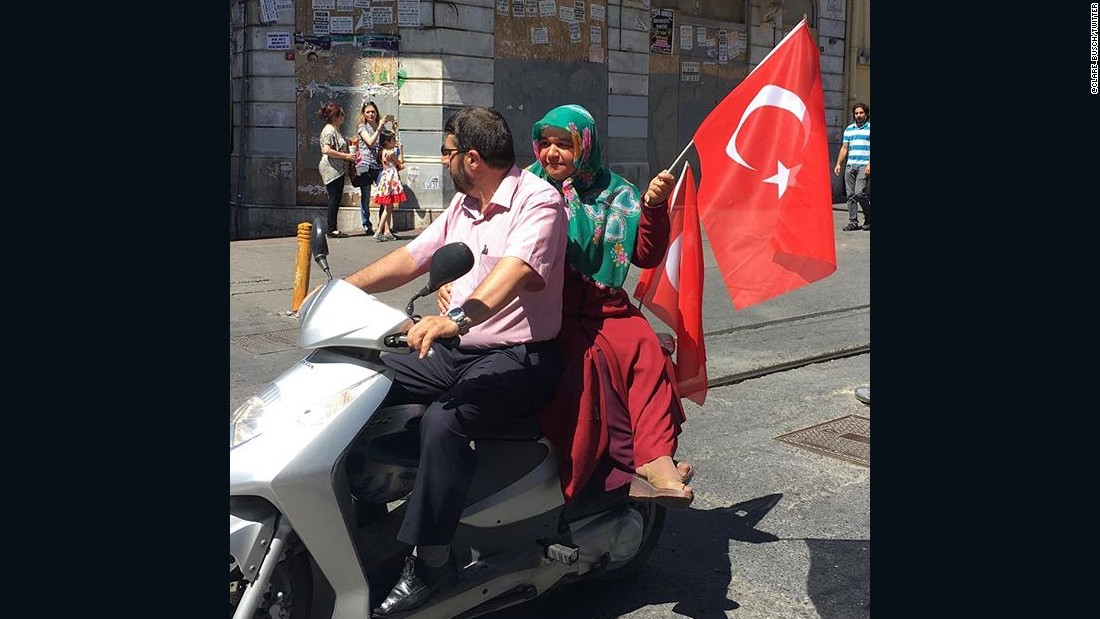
(603, 208)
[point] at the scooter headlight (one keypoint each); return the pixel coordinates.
(269, 409)
(247, 422)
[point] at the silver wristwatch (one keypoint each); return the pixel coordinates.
(460, 319)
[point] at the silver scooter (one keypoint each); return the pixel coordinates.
(318, 472)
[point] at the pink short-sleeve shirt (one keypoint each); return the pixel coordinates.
(525, 219)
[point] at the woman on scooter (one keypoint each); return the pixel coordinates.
(616, 413)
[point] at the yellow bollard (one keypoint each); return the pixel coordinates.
(301, 266)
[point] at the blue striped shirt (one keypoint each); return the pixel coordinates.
(858, 140)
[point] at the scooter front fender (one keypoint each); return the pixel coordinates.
(248, 541)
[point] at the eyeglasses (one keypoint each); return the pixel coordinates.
(444, 151)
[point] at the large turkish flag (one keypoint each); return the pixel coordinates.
(765, 197)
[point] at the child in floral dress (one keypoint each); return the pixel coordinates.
(390, 192)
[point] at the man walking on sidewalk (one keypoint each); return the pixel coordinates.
(856, 149)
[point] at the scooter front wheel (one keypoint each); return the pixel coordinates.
(289, 595)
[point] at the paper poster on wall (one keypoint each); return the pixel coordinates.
(268, 11)
(723, 47)
(517, 8)
(689, 71)
(379, 44)
(341, 24)
(575, 32)
(321, 22)
(595, 54)
(660, 31)
(344, 5)
(382, 14)
(565, 14)
(540, 36)
(502, 7)
(701, 36)
(361, 4)
(686, 33)
(312, 43)
(595, 35)
(578, 10)
(408, 13)
(599, 13)
(284, 5)
(547, 8)
(531, 8)
(324, 4)
(278, 41)
(365, 22)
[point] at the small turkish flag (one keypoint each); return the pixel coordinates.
(766, 195)
(673, 291)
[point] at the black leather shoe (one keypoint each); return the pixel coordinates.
(417, 585)
(851, 226)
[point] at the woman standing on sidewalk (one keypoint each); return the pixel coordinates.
(367, 160)
(334, 161)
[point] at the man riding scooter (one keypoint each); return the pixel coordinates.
(507, 312)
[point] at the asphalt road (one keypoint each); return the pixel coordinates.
(776, 531)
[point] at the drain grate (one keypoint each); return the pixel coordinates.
(847, 438)
(262, 343)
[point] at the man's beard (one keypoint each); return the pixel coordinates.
(461, 179)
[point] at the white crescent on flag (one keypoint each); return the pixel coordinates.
(774, 96)
(672, 262)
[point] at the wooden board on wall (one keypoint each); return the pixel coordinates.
(521, 35)
(345, 67)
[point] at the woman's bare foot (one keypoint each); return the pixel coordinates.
(686, 471)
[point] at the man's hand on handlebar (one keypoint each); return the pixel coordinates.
(429, 330)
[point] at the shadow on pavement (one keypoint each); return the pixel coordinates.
(839, 583)
(690, 567)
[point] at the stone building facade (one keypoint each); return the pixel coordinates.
(649, 70)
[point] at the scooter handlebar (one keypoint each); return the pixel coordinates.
(401, 340)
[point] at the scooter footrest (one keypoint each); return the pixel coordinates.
(562, 553)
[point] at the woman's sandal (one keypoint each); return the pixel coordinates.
(649, 486)
(642, 490)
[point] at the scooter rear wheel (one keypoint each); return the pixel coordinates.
(653, 517)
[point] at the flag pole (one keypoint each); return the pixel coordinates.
(681, 156)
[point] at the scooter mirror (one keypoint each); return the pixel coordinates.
(318, 245)
(449, 263)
